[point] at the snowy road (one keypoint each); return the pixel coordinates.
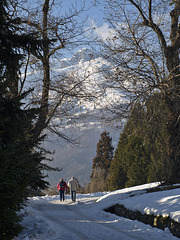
(50, 219)
(72, 222)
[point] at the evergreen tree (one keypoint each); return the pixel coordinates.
(141, 155)
(156, 139)
(20, 155)
(101, 164)
(136, 161)
(118, 171)
(20, 165)
(104, 152)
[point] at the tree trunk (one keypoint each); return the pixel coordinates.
(172, 94)
(172, 99)
(12, 75)
(41, 123)
(173, 127)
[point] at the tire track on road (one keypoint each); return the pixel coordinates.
(56, 218)
(93, 220)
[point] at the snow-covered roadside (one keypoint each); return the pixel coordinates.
(165, 203)
(48, 218)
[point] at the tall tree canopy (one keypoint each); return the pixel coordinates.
(57, 93)
(20, 153)
(141, 155)
(144, 51)
(104, 152)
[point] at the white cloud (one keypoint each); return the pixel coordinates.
(102, 32)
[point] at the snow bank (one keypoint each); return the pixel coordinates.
(165, 203)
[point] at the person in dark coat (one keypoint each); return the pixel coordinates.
(62, 186)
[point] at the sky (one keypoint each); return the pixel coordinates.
(47, 218)
(94, 8)
(94, 12)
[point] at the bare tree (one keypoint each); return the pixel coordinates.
(144, 51)
(57, 95)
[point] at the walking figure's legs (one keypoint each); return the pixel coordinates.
(73, 196)
(60, 194)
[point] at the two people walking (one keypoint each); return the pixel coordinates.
(73, 184)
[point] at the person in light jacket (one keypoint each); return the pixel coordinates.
(73, 185)
(61, 186)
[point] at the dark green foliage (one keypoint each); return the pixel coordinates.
(141, 155)
(104, 152)
(156, 139)
(137, 163)
(129, 165)
(118, 175)
(20, 165)
(20, 154)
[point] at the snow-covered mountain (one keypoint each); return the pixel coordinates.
(81, 56)
(77, 161)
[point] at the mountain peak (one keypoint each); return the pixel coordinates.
(83, 55)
